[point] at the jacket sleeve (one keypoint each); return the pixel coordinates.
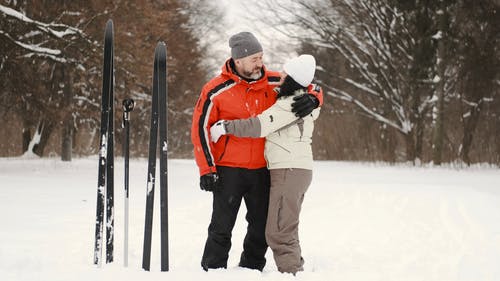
(271, 120)
(317, 91)
(278, 116)
(204, 115)
(246, 128)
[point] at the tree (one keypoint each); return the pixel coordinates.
(438, 134)
(477, 37)
(407, 66)
(36, 48)
(52, 61)
(384, 53)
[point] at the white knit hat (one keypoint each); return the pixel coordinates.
(301, 69)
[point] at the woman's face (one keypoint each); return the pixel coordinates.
(282, 77)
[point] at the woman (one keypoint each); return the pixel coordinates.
(289, 158)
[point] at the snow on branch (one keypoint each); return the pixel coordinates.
(338, 93)
(360, 86)
(50, 28)
(60, 33)
(375, 41)
(32, 47)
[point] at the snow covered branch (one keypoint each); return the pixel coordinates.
(373, 38)
(32, 47)
(56, 29)
(31, 43)
(371, 113)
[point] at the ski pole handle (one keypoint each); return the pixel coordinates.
(128, 105)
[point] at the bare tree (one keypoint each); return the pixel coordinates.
(403, 65)
(377, 42)
(438, 133)
(478, 31)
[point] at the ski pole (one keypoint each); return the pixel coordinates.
(128, 106)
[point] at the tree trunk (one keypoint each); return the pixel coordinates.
(67, 126)
(26, 137)
(438, 133)
(388, 144)
(48, 128)
(410, 147)
(387, 139)
(412, 137)
(67, 140)
(419, 132)
(497, 156)
(469, 125)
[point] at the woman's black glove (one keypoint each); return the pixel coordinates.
(304, 105)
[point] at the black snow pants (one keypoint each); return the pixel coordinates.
(253, 186)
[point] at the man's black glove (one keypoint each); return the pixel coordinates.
(209, 182)
(304, 105)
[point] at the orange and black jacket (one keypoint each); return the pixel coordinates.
(228, 97)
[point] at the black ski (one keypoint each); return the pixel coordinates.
(105, 170)
(162, 99)
(153, 136)
(158, 117)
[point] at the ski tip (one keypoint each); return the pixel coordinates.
(109, 23)
(161, 46)
(161, 50)
(108, 33)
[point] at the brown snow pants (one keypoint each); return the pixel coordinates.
(288, 187)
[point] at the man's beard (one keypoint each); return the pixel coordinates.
(255, 74)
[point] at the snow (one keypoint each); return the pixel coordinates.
(438, 35)
(34, 141)
(359, 221)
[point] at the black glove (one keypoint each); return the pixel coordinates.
(304, 105)
(209, 182)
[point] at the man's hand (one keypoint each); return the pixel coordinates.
(304, 105)
(217, 130)
(209, 182)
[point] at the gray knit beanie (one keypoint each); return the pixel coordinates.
(244, 44)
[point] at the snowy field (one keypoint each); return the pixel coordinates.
(359, 222)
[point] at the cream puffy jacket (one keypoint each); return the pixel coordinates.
(288, 138)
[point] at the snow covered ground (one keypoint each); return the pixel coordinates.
(359, 222)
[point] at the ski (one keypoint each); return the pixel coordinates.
(162, 99)
(105, 168)
(158, 118)
(110, 192)
(150, 187)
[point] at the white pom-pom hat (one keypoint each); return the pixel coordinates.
(301, 69)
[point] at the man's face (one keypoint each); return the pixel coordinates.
(251, 66)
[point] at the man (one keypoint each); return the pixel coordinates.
(234, 168)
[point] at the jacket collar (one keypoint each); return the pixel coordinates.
(229, 72)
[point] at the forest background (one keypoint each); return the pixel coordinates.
(405, 81)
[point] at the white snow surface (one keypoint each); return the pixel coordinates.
(359, 222)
